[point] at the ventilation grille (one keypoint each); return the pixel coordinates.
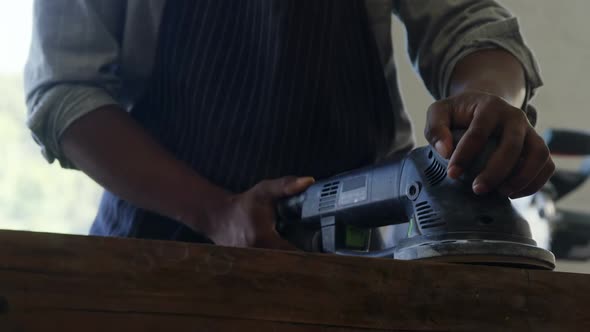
(435, 173)
(328, 196)
(427, 217)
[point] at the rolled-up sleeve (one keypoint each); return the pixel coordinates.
(441, 32)
(72, 67)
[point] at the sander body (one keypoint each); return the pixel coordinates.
(442, 219)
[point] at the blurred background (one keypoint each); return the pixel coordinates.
(41, 197)
(34, 195)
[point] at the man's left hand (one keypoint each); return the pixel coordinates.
(521, 164)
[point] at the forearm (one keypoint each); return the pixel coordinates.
(109, 146)
(493, 71)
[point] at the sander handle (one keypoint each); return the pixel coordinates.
(290, 208)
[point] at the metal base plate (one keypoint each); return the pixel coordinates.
(485, 252)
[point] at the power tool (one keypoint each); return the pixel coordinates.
(361, 213)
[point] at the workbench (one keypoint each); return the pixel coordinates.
(54, 282)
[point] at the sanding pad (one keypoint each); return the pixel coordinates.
(484, 252)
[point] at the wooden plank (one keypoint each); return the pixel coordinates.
(86, 321)
(42, 273)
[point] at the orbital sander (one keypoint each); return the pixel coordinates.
(363, 212)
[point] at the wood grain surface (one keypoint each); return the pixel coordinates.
(53, 282)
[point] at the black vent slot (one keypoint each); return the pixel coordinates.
(426, 216)
(328, 196)
(435, 173)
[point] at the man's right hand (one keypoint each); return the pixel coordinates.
(248, 219)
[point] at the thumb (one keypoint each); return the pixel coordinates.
(282, 187)
(438, 128)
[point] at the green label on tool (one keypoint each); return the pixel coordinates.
(357, 238)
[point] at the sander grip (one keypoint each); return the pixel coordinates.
(289, 209)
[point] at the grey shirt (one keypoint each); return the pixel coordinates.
(88, 53)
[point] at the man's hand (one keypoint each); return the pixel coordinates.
(248, 219)
(108, 145)
(520, 165)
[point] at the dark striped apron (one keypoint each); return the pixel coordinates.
(248, 90)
